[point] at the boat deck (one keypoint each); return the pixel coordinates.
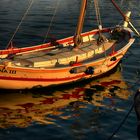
(61, 56)
(58, 57)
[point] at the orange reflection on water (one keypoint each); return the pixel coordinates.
(21, 109)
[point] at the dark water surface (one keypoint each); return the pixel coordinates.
(91, 110)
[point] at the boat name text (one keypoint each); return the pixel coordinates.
(7, 71)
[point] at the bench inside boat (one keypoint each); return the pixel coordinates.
(60, 57)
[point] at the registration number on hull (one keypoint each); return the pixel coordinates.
(3, 70)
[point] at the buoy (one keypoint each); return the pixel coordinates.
(79, 69)
(89, 70)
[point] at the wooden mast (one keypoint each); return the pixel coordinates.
(77, 37)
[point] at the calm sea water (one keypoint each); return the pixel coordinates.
(90, 110)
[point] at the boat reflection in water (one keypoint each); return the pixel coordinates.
(49, 106)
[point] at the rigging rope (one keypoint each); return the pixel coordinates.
(57, 5)
(96, 4)
(25, 14)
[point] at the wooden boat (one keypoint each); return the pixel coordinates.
(81, 56)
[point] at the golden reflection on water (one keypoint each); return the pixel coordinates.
(22, 109)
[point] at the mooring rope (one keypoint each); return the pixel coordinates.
(129, 111)
(25, 14)
(57, 5)
(123, 121)
(126, 116)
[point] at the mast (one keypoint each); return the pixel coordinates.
(77, 37)
(117, 7)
